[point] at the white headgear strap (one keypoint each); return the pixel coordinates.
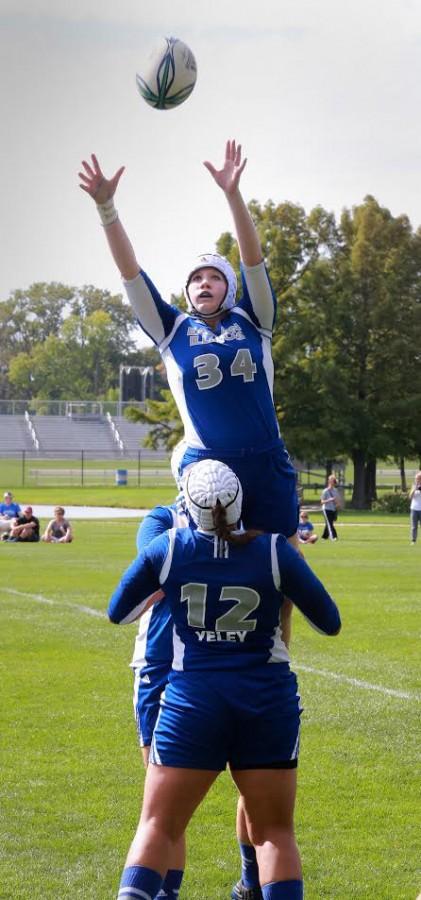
(215, 261)
(205, 483)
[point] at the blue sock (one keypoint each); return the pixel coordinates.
(249, 867)
(172, 883)
(283, 890)
(146, 883)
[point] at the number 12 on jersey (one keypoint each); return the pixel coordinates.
(246, 601)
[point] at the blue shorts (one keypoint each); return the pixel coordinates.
(270, 500)
(248, 720)
(149, 684)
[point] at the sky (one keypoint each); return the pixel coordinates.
(324, 98)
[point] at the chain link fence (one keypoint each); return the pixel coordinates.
(84, 467)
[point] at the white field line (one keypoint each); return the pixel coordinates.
(354, 682)
(371, 525)
(39, 598)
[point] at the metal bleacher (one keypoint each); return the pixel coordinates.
(132, 433)
(64, 433)
(14, 434)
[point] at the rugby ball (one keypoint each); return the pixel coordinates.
(169, 74)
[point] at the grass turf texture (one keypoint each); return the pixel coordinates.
(71, 773)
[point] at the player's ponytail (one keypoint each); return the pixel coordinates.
(224, 531)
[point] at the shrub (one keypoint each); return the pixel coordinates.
(398, 502)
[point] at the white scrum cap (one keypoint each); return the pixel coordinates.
(205, 483)
(215, 261)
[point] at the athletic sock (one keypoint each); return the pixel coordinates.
(249, 867)
(139, 883)
(172, 883)
(283, 890)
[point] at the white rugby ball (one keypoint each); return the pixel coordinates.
(169, 74)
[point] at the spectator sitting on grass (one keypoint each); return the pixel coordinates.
(306, 534)
(25, 527)
(8, 512)
(59, 529)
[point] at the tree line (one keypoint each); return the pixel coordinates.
(347, 341)
(60, 342)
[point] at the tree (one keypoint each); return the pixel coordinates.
(163, 417)
(346, 347)
(29, 318)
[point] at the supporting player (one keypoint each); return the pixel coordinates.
(231, 696)
(152, 662)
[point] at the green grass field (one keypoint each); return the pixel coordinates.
(71, 776)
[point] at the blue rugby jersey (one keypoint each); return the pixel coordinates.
(225, 600)
(154, 640)
(222, 379)
(10, 510)
(304, 528)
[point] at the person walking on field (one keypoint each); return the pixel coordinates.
(415, 508)
(331, 502)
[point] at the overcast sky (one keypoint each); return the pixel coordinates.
(324, 98)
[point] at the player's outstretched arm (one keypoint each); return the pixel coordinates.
(228, 179)
(305, 590)
(102, 190)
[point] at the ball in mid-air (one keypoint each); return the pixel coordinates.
(168, 75)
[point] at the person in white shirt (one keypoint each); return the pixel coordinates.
(331, 502)
(415, 508)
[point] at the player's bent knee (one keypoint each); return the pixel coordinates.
(276, 836)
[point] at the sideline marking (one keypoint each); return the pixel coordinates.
(370, 525)
(354, 682)
(39, 598)
(365, 685)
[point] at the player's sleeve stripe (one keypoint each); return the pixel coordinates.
(268, 366)
(163, 575)
(276, 575)
(265, 332)
(142, 607)
(316, 627)
(167, 340)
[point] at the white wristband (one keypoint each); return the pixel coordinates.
(107, 212)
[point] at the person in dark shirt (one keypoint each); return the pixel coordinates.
(26, 527)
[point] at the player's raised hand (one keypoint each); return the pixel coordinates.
(228, 177)
(94, 182)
